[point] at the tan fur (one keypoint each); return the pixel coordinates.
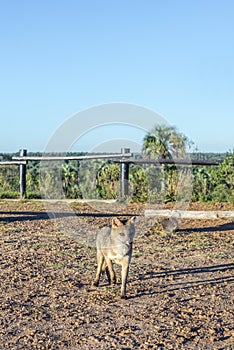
(114, 244)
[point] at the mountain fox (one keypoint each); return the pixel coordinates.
(114, 244)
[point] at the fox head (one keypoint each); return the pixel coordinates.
(125, 230)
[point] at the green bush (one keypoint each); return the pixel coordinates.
(70, 173)
(139, 184)
(9, 195)
(9, 179)
(108, 181)
(202, 186)
(222, 181)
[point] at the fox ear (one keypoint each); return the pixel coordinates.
(131, 220)
(116, 223)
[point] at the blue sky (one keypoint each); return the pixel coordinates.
(60, 57)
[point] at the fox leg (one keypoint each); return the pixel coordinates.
(108, 275)
(110, 271)
(105, 269)
(100, 261)
(124, 275)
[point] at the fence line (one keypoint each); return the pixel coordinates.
(124, 168)
(62, 158)
(11, 162)
(159, 162)
(125, 159)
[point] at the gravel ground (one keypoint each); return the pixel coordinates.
(180, 288)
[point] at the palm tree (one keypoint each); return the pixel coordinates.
(164, 142)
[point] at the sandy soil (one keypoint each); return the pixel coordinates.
(180, 290)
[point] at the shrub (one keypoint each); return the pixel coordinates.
(139, 184)
(108, 181)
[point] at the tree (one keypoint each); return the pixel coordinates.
(165, 142)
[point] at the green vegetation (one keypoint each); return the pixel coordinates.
(214, 183)
(9, 182)
(108, 181)
(165, 142)
(99, 179)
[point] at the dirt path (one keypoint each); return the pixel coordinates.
(180, 290)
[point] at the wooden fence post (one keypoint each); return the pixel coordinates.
(124, 175)
(22, 169)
